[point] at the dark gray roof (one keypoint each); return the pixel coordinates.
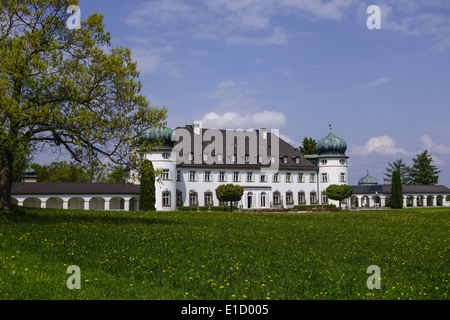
(73, 188)
(406, 188)
(285, 150)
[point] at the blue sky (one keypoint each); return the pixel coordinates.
(298, 66)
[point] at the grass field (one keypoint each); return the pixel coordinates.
(204, 255)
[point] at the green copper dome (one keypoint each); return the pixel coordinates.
(156, 134)
(367, 180)
(29, 173)
(331, 146)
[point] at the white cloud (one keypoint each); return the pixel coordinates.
(383, 145)
(154, 60)
(234, 95)
(234, 120)
(237, 22)
(428, 144)
(373, 84)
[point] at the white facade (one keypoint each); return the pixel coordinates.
(195, 185)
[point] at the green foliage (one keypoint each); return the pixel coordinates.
(396, 191)
(422, 171)
(206, 208)
(67, 88)
(229, 192)
(401, 167)
(147, 179)
(308, 146)
(223, 255)
(339, 192)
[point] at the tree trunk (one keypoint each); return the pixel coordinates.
(6, 164)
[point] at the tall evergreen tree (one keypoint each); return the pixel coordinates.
(422, 171)
(401, 167)
(147, 197)
(308, 146)
(396, 191)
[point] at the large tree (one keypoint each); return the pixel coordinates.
(68, 88)
(422, 171)
(229, 192)
(339, 192)
(399, 166)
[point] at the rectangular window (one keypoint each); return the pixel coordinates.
(222, 176)
(262, 178)
(208, 199)
(166, 199)
(301, 198)
(165, 174)
(193, 200)
(235, 176)
(276, 198)
(179, 198)
(207, 176)
(342, 177)
(313, 198)
(192, 175)
(249, 176)
(324, 198)
(324, 177)
(300, 178)
(289, 198)
(312, 177)
(276, 177)
(178, 175)
(288, 177)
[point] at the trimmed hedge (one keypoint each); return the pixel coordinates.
(206, 208)
(305, 207)
(227, 208)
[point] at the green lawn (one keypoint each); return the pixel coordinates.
(218, 255)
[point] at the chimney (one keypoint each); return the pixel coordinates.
(263, 133)
(197, 127)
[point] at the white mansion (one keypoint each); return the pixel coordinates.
(194, 161)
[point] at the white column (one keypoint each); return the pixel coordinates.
(107, 203)
(414, 201)
(382, 201)
(424, 202)
(43, 202)
(434, 201)
(86, 203)
(404, 202)
(126, 204)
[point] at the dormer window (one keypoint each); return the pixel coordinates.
(219, 157)
(246, 158)
(284, 159)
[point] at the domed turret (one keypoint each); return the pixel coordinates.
(367, 180)
(29, 175)
(159, 134)
(331, 146)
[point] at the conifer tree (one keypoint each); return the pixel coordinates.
(396, 191)
(422, 171)
(147, 197)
